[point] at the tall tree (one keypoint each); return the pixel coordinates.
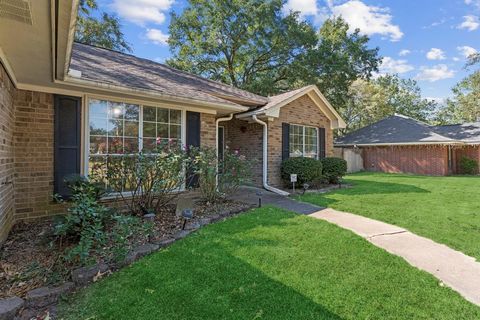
(464, 106)
(250, 44)
(103, 31)
(370, 101)
(340, 58)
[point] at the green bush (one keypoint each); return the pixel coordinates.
(468, 166)
(308, 170)
(334, 169)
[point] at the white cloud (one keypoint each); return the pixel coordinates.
(435, 73)
(305, 7)
(436, 54)
(466, 51)
(142, 11)
(390, 65)
(473, 2)
(470, 22)
(369, 19)
(404, 52)
(157, 36)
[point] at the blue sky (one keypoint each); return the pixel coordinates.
(427, 40)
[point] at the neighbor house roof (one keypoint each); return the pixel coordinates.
(466, 132)
(396, 129)
(275, 103)
(104, 66)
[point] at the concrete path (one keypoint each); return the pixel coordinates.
(455, 269)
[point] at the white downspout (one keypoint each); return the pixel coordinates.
(265, 158)
(230, 117)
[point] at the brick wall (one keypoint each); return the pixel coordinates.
(472, 152)
(7, 203)
(207, 130)
(247, 139)
(34, 148)
(302, 111)
(428, 160)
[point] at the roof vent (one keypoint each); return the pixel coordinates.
(18, 10)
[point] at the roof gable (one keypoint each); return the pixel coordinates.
(275, 103)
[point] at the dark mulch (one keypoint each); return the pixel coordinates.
(31, 257)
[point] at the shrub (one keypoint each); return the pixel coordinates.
(95, 228)
(308, 170)
(233, 171)
(334, 169)
(146, 181)
(85, 220)
(468, 166)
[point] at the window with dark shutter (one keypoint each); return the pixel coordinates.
(285, 141)
(321, 143)
(67, 141)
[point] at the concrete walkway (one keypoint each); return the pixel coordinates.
(455, 269)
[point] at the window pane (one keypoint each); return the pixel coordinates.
(162, 115)
(98, 108)
(132, 112)
(115, 145)
(97, 166)
(175, 132)
(149, 130)
(98, 145)
(98, 127)
(175, 116)
(116, 110)
(131, 145)
(149, 144)
(162, 130)
(149, 114)
(131, 129)
(115, 128)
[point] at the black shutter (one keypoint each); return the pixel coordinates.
(67, 141)
(285, 141)
(321, 143)
(193, 140)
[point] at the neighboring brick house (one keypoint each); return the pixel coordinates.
(65, 106)
(399, 144)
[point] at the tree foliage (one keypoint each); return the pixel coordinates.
(464, 106)
(103, 31)
(370, 101)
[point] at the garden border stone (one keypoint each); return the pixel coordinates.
(84, 275)
(45, 296)
(9, 307)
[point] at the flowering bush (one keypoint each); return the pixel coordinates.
(233, 171)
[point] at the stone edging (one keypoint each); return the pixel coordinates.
(38, 300)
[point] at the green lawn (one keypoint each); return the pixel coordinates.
(445, 209)
(269, 264)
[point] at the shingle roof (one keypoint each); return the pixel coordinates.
(396, 129)
(466, 132)
(110, 67)
(275, 100)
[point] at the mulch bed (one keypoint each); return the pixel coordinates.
(32, 258)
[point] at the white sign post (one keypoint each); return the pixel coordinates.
(293, 179)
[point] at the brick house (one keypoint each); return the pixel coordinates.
(399, 144)
(65, 105)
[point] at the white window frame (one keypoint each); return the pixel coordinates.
(303, 135)
(86, 136)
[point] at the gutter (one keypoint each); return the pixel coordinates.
(230, 117)
(265, 159)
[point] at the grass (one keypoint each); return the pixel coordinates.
(445, 209)
(269, 264)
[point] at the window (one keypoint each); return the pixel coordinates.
(117, 129)
(303, 141)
